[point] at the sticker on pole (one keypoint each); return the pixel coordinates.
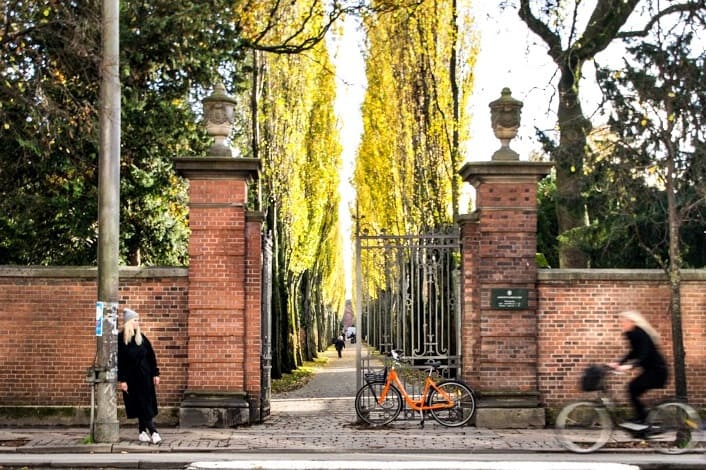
(99, 318)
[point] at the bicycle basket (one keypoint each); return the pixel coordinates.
(376, 375)
(592, 378)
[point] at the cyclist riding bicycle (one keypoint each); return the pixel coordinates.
(644, 352)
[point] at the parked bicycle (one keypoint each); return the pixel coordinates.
(672, 426)
(450, 402)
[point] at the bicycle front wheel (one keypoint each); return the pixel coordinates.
(464, 403)
(371, 411)
(583, 427)
(674, 427)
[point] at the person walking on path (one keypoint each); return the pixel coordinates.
(340, 344)
(138, 375)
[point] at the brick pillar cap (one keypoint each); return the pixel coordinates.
(504, 171)
(218, 167)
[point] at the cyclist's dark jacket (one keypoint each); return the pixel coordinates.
(643, 351)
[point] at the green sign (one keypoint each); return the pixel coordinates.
(508, 298)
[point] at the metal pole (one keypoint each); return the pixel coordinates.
(358, 307)
(106, 426)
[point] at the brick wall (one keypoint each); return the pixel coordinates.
(470, 315)
(578, 324)
(499, 246)
(224, 278)
(47, 331)
(253, 304)
(217, 249)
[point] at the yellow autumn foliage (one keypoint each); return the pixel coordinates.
(302, 160)
(419, 71)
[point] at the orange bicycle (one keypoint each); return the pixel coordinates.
(450, 402)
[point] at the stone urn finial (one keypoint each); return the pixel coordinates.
(218, 113)
(505, 120)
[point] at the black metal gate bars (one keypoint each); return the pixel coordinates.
(408, 289)
(266, 329)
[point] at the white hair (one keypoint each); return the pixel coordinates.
(131, 329)
(637, 318)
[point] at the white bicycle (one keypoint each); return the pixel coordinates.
(672, 426)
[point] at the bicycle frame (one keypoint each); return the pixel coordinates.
(605, 400)
(672, 426)
(415, 405)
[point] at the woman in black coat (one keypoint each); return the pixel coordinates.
(138, 375)
(644, 353)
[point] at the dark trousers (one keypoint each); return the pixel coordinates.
(146, 424)
(649, 379)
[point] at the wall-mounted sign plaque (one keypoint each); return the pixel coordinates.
(508, 298)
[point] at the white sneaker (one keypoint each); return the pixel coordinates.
(156, 438)
(144, 437)
(633, 426)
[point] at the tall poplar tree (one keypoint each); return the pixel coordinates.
(419, 71)
(300, 146)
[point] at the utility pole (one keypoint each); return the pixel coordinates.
(106, 428)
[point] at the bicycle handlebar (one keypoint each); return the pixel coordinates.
(398, 355)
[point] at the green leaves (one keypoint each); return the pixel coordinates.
(50, 125)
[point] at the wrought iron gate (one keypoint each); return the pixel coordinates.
(266, 329)
(409, 293)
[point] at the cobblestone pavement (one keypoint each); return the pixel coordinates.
(319, 417)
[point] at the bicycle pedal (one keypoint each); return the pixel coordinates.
(691, 423)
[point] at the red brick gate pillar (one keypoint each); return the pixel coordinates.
(223, 376)
(499, 323)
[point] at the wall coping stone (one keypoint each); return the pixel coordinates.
(90, 272)
(550, 275)
(255, 216)
(471, 217)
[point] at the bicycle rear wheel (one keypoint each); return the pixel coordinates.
(370, 411)
(583, 427)
(674, 427)
(464, 403)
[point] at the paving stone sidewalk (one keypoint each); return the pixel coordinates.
(319, 417)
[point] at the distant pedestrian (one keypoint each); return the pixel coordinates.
(138, 375)
(340, 344)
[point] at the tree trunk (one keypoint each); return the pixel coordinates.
(322, 338)
(307, 314)
(677, 333)
(675, 263)
(456, 98)
(569, 158)
(295, 343)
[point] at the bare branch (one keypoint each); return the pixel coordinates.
(603, 26)
(301, 39)
(542, 30)
(696, 9)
